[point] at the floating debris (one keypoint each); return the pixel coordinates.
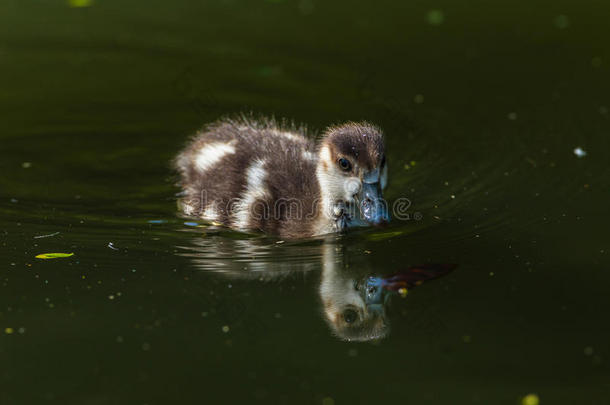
(80, 3)
(530, 399)
(328, 401)
(383, 235)
(47, 236)
(9, 331)
(403, 292)
(191, 224)
(225, 329)
(409, 165)
(26, 165)
(54, 255)
(111, 246)
(580, 152)
(157, 221)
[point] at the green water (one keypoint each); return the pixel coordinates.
(483, 104)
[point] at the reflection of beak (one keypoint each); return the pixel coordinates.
(374, 295)
(373, 291)
(372, 205)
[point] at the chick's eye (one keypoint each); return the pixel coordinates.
(350, 316)
(344, 164)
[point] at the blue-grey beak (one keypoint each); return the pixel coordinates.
(373, 207)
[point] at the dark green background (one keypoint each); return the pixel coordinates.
(99, 99)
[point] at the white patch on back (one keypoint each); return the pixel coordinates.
(307, 155)
(255, 176)
(211, 154)
(287, 135)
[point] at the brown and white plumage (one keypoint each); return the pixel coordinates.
(262, 175)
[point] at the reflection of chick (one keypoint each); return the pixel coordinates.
(354, 310)
(353, 301)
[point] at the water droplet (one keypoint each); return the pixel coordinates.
(580, 152)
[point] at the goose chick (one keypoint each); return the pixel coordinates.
(259, 175)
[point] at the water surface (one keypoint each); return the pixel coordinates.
(483, 105)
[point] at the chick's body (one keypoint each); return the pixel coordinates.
(252, 175)
(259, 175)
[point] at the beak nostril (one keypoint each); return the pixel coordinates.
(367, 202)
(372, 206)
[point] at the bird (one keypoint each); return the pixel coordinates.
(275, 177)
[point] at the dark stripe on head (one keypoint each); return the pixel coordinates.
(361, 142)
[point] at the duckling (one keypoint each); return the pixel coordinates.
(262, 175)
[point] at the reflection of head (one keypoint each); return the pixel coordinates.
(354, 310)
